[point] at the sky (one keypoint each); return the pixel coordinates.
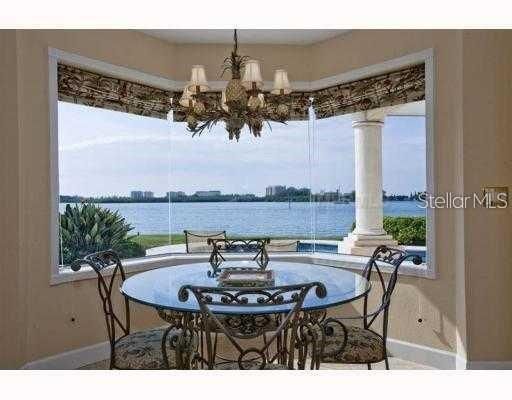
(103, 152)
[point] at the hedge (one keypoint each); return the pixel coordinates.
(406, 230)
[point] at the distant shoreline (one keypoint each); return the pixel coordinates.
(218, 201)
(292, 195)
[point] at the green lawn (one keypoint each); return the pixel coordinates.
(148, 241)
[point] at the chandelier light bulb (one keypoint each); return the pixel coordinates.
(254, 103)
(186, 99)
(223, 101)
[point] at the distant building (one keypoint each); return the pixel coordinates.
(137, 195)
(175, 195)
(149, 195)
(274, 190)
(207, 193)
(330, 196)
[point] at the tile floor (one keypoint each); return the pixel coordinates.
(395, 364)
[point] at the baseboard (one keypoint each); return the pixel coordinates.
(407, 351)
(419, 354)
(72, 359)
(461, 363)
(489, 365)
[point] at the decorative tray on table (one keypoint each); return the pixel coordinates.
(246, 278)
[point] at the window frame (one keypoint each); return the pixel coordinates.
(58, 275)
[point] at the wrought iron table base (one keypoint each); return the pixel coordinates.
(309, 338)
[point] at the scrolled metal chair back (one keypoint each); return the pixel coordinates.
(251, 327)
(197, 241)
(221, 247)
(394, 258)
(108, 268)
(288, 246)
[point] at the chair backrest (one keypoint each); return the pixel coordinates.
(197, 241)
(278, 245)
(392, 257)
(251, 326)
(108, 268)
(221, 247)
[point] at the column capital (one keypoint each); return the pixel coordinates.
(376, 114)
(356, 124)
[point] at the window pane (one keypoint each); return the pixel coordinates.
(161, 181)
(256, 187)
(333, 182)
(111, 162)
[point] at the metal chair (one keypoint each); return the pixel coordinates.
(150, 349)
(346, 344)
(268, 354)
(221, 247)
(277, 245)
(197, 241)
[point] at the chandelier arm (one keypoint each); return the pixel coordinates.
(208, 120)
(201, 127)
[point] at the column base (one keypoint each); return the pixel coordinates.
(365, 245)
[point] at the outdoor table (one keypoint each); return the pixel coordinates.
(159, 288)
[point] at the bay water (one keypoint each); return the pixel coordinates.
(324, 220)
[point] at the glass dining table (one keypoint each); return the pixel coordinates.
(159, 289)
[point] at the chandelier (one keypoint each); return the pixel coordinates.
(242, 102)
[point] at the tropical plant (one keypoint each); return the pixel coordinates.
(88, 228)
(406, 230)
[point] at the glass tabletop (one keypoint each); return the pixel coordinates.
(159, 287)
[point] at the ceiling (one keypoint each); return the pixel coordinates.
(249, 36)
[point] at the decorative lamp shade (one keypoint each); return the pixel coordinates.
(252, 74)
(186, 99)
(281, 82)
(198, 80)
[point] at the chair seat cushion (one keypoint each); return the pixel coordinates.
(249, 365)
(143, 350)
(363, 346)
(245, 324)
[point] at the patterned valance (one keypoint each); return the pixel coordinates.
(394, 88)
(89, 88)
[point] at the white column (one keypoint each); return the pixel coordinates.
(368, 177)
(369, 232)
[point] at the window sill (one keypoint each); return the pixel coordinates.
(359, 262)
(332, 260)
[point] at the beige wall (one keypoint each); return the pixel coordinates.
(49, 310)
(12, 330)
(487, 119)
(294, 58)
